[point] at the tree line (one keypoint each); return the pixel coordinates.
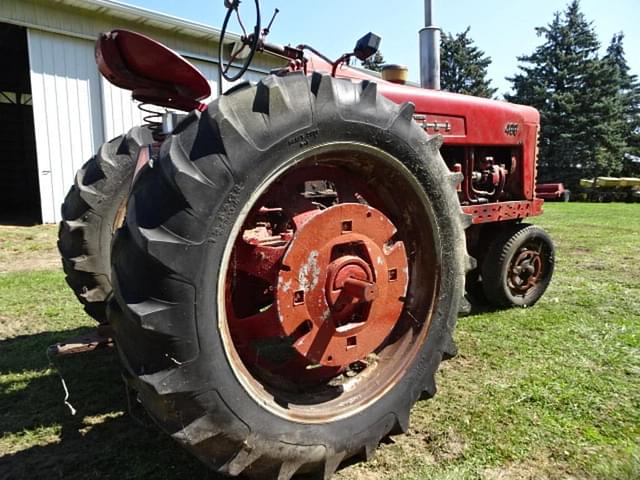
(589, 103)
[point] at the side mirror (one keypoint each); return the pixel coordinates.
(367, 46)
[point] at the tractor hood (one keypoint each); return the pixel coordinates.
(460, 119)
(466, 119)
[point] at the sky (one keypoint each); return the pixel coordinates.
(502, 29)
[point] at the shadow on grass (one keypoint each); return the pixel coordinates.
(102, 440)
(478, 306)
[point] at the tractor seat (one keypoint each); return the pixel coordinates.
(154, 73)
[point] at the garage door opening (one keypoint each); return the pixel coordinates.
(19, 194)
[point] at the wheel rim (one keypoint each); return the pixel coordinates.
(321, 317)
(527, 269)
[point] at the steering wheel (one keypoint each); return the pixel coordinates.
(248, 40)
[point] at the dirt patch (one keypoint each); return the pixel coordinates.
(12, 327)
(28, 248)
(359, 473)
(460, 362)
(48, 261)
(597, 266)
(533, 469)
(453, 447)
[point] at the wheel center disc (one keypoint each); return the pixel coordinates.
(526, 271)
(349, 283)
(342, 284)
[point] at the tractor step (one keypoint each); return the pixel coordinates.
(100, 337)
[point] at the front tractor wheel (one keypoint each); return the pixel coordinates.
(289, 275)
(518, 266)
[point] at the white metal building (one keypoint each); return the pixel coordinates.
(55, 108)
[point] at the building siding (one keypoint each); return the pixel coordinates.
(75, 109)
(67, 113)
(120, 112)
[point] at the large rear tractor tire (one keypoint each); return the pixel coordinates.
(289, 275)
(518, 266)
(90, 214)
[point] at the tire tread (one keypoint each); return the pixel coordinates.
(87, 216)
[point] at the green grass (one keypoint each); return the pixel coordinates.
(547, 392)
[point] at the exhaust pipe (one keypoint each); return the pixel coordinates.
(429, 50)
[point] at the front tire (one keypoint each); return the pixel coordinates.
(518, 266)
(194, 319)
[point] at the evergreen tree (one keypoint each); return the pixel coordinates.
(374, 62)
(629, 97)
(576, 92)
(464, 66)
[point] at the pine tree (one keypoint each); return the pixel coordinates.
(374, 63)
(576, 92)
(629, 97)
(463, 66)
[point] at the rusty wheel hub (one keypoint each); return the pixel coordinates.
(320, 318)
(525, 270)
(318, 276)
(342, 285)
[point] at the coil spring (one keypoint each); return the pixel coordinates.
(152, 118)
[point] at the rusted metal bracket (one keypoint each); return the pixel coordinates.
(100, 337)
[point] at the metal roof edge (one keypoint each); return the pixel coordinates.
(125, 11)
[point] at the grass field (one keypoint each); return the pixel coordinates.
(547, 392)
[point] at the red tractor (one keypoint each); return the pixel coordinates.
(283, 269)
